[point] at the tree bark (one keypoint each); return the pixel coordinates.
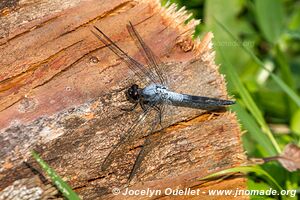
(62, 91)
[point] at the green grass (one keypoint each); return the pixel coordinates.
(245, 170)
(257, 43)
(61, 185)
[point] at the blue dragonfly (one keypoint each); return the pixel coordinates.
(155, 96)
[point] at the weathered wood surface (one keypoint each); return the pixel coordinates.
(61, 93)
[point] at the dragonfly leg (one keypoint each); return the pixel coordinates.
(144, 106)
(130, 109)
(160, 114)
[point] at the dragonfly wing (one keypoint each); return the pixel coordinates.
(132, 131)
(154, 64)
(133, 64)
(141, 127)
(159, 111)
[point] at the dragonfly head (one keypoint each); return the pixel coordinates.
(133, 93)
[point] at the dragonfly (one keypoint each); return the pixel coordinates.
(155, 96)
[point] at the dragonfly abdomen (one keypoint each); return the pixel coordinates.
(199, 102)
(158, 93)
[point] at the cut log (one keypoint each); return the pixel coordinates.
(62, 94)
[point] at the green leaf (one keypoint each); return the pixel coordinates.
(227, 12)
(254, 130)
(285, 68)
(286, 89)
(295, 122)
(293, 34)
(286, 75)
(257, 186)
(272, 102)
(294, 20)
(262, 186)
(234, 79)
(245, 170)
(62, 186)
(270, 18)
(293, 95)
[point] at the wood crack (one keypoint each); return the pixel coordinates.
(12, 81)
(28, 30)
(85, 117)
(33, 67)
(68, 67)
(89, 181)
(105, 14)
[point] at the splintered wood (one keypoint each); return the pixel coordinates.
(62, 94)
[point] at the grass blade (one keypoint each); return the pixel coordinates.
(277, 80)
(252, 127)
(234, 79)
(271, 23)
(245, 170)
(63, 187)
(287, 76)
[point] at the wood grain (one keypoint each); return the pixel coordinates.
(62, 91)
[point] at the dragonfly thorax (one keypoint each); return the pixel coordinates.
(154, 93)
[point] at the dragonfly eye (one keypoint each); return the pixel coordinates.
(133, 93)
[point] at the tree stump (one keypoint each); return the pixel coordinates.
(62, 91)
